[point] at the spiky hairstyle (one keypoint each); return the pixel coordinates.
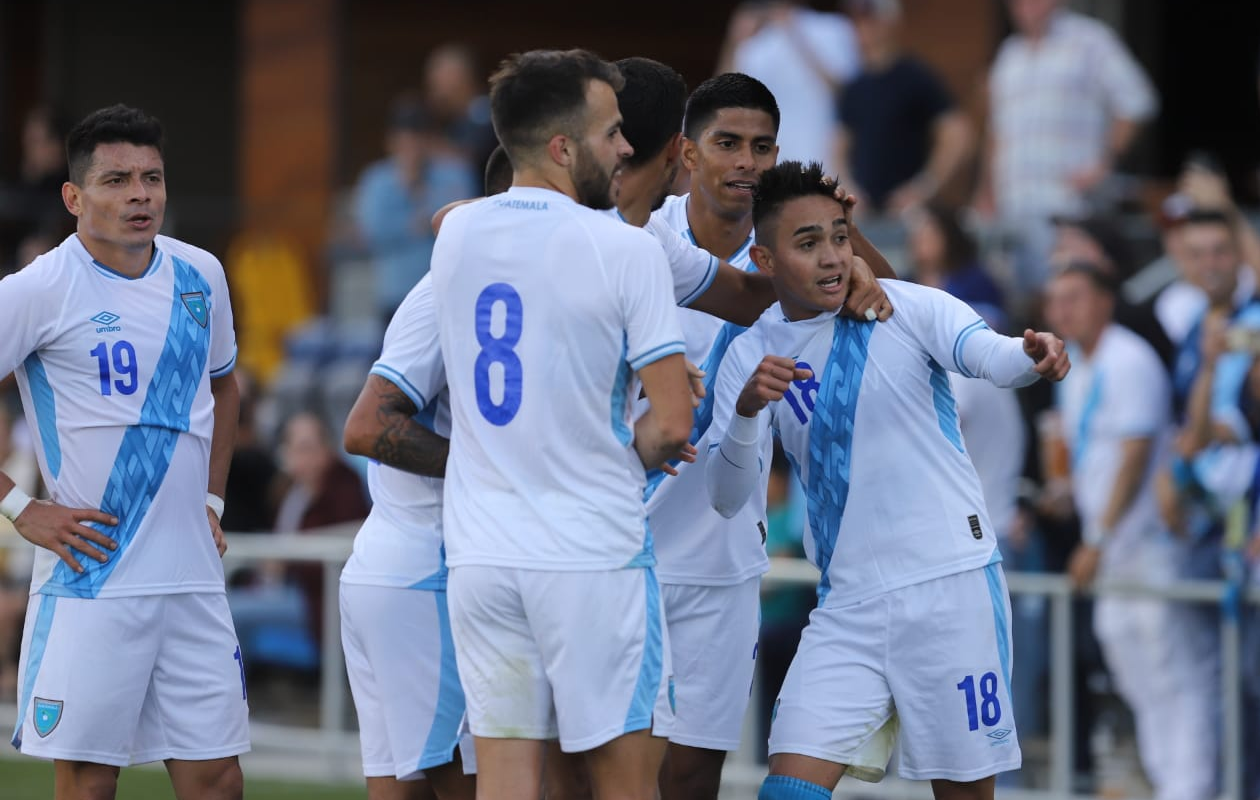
(786, 181)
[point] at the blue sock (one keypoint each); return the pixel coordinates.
(784, 787)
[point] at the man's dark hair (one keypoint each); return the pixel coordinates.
(728, 90)
(652, 104)
(1098, 275)
(787, 181)
(117, 123)
(498, 175)
(1207, 216)
(536, 94)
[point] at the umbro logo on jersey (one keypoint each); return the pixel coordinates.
(999, 734)
(105, 322)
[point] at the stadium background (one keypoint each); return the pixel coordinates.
(273, 107)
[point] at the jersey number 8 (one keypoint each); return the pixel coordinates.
(498, 350)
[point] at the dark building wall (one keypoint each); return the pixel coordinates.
(176, 60)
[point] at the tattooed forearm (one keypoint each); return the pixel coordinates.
(396, 439)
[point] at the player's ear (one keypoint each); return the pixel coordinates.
(673, 149)
(560, 150)
(763, 258)
(689, 155)
(71, 196)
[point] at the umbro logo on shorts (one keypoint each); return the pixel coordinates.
(47, 715)
(999, 736)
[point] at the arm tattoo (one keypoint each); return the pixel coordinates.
(404, 443)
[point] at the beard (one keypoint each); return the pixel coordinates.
(591, 182)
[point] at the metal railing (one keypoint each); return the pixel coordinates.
(337, 747)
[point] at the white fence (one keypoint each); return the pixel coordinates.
(337, 748)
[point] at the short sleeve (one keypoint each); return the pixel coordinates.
(411, 357)
(222, 325)
(692, 268)
(649, 312)
(1130, 94)
(1138, 385)
(29, 317)
(959, 339)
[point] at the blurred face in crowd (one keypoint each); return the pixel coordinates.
(927, 249)
(1032, 17)
(1075, 244)
(305, 452)
(1211, 259)
(727, 160)
(449, 84)
(43, 152)
(1077, 309)
(601, 150)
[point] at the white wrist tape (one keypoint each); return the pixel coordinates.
(215, 504)
(14, 503)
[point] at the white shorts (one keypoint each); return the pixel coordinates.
(128, 680)
(926, 667)
(713, 647)
(578, 655)
(400, 659)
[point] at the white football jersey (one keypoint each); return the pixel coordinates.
(873, 435)
(546, 309)
(694, 544)
(400, 543)
(693, 268)
(114, 374)
(1121, 391)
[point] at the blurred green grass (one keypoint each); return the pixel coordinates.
(33, 780)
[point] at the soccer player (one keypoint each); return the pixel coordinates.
(912, 629)
(395, 627)
(710, 568)
(123, 345)
(547, 311)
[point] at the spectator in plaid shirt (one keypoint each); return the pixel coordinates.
(1066, 99)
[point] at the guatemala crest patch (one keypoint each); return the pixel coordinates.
(195, 302)
(47, 715)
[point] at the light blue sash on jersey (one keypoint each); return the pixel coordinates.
(831, 439)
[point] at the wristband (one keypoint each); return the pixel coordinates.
(14, 503)
(215, 504)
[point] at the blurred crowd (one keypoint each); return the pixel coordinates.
(1143, 467)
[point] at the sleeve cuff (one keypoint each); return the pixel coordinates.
(656, 354)
(395, 377)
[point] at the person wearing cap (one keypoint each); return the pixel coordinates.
(1116, 420)
(900, 137)
(396, 197)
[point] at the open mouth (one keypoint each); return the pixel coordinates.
(831, 284)
(744, 187)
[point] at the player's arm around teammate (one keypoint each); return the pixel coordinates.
(381, 425)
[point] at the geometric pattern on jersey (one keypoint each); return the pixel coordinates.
(144, 455)
(702, 417)
(831, 439)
